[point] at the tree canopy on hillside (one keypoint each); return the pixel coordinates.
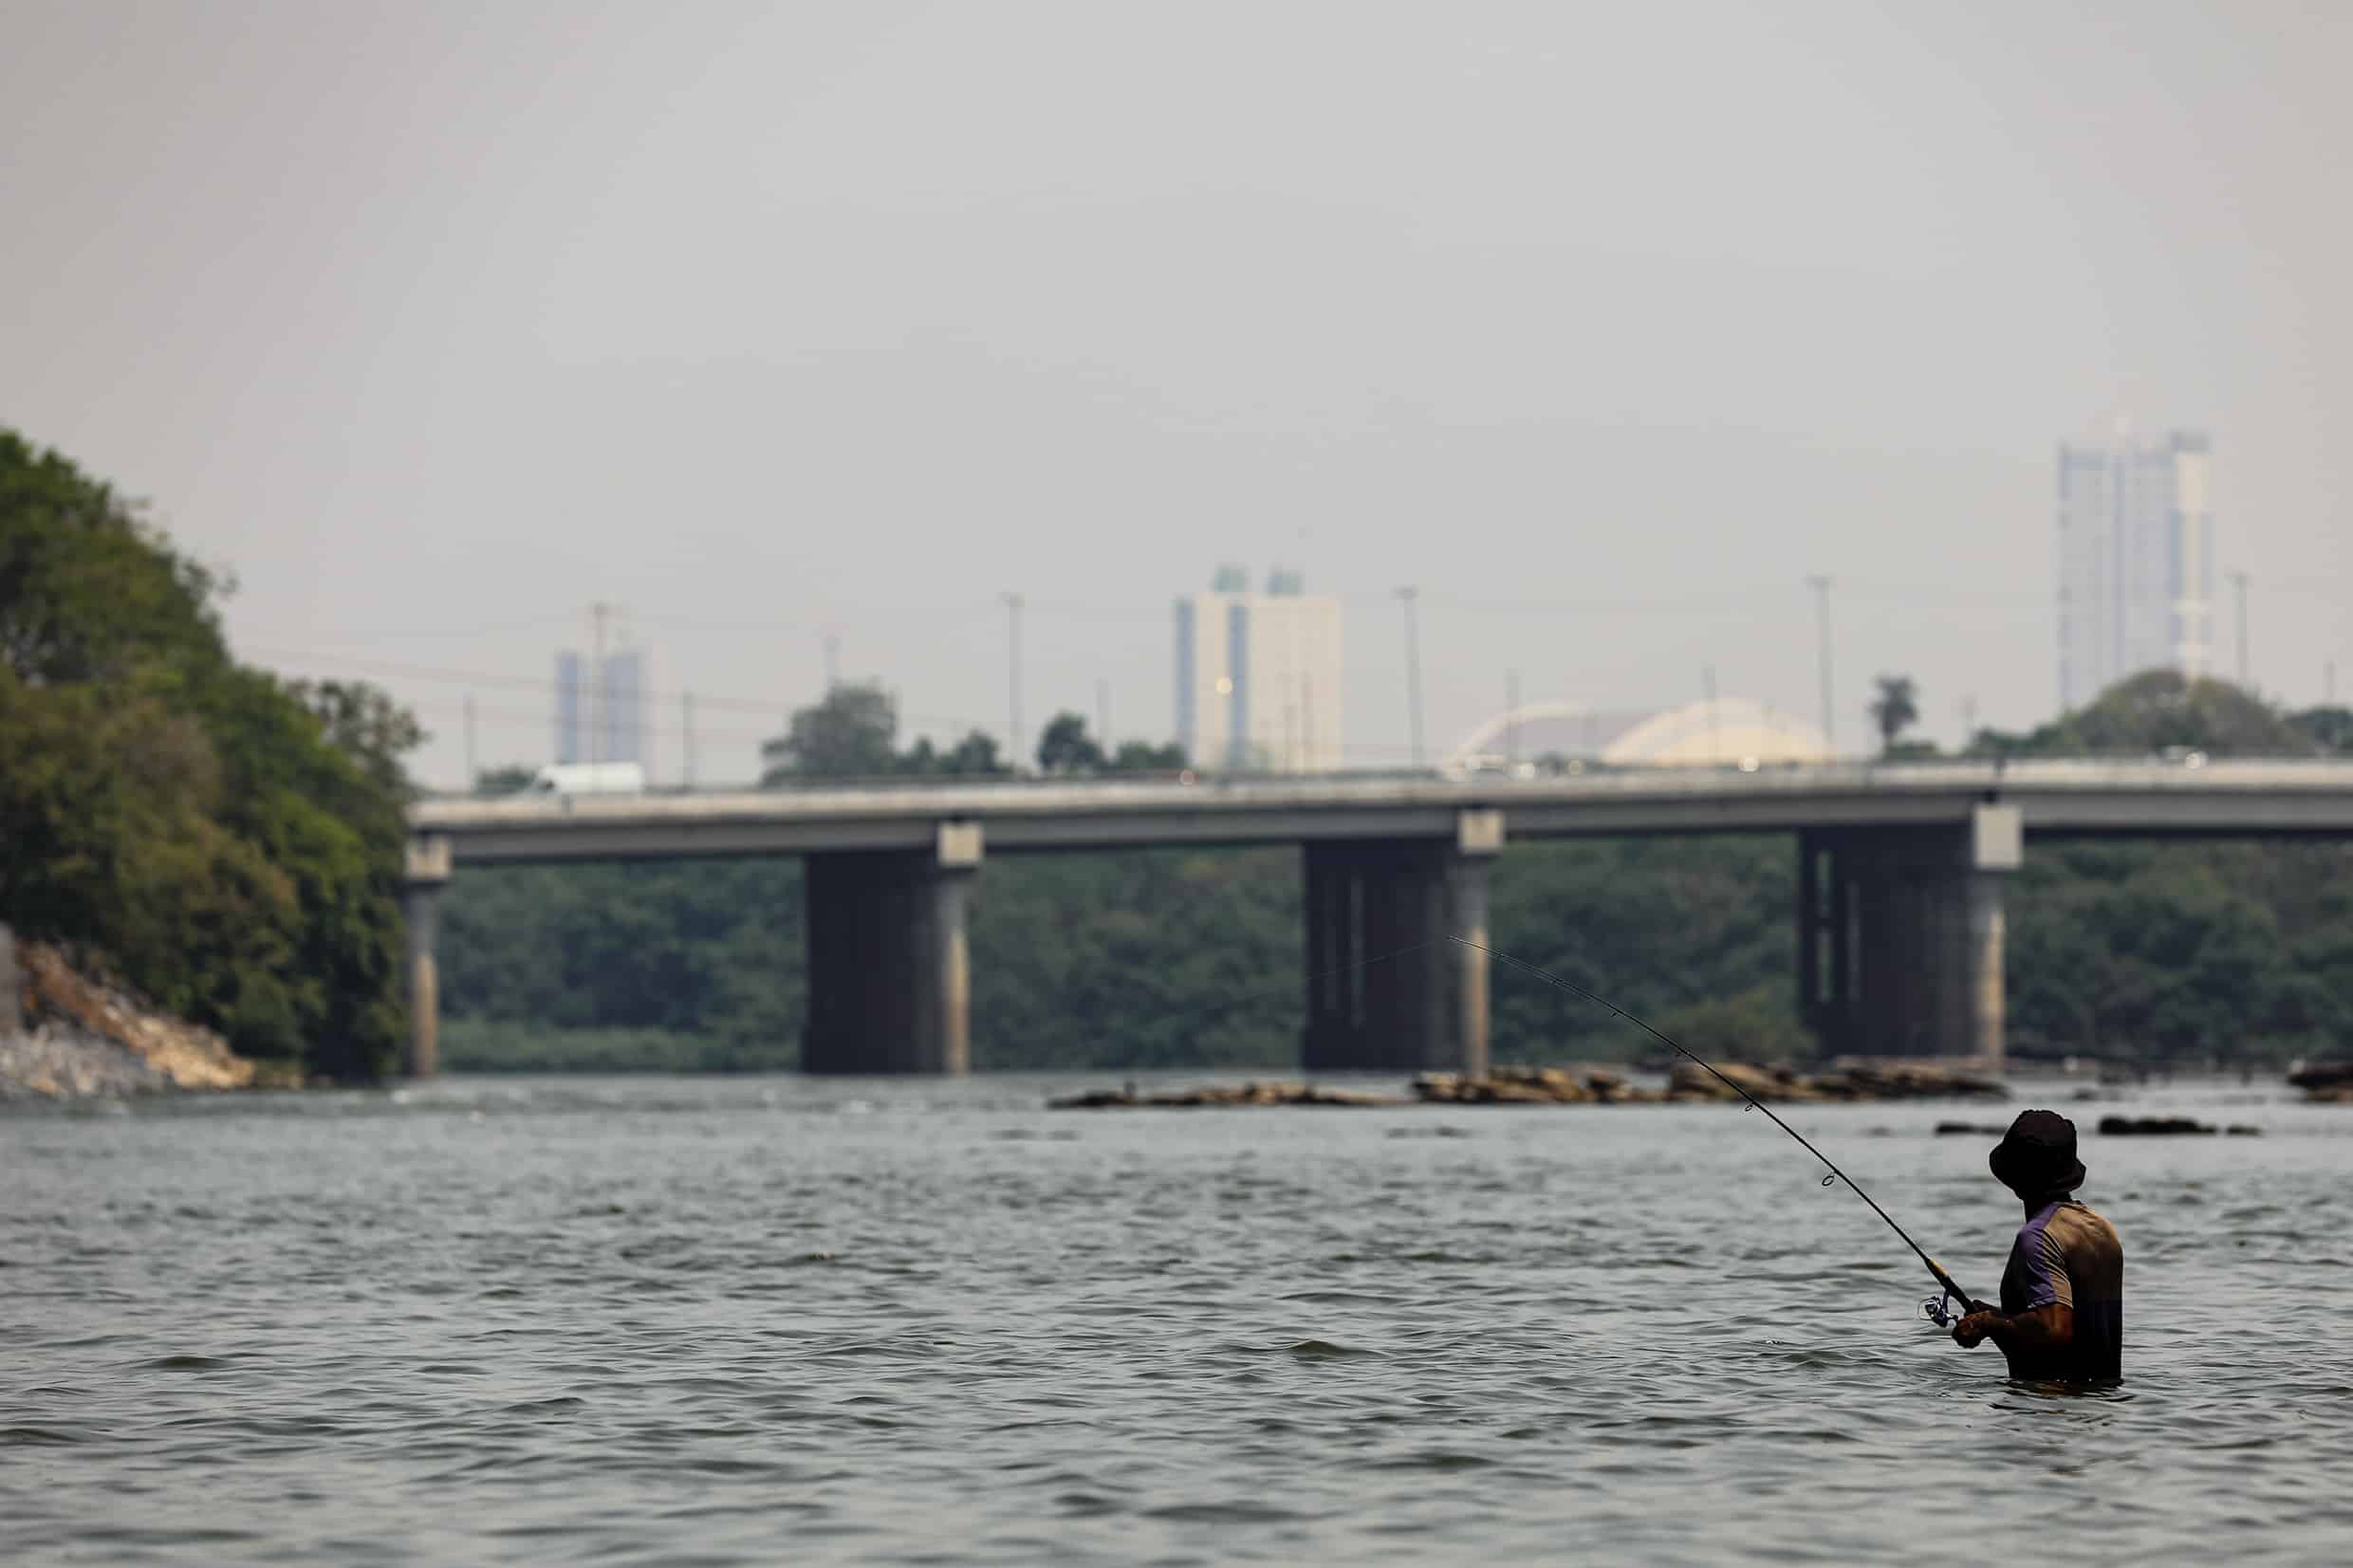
(226, 843)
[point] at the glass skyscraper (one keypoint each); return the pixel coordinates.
(2135, 560)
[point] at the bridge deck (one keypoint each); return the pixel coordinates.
(2219, 799)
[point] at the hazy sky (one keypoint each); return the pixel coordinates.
(1603, 324)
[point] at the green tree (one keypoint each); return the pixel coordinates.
(2329, 730)
(88, 593)
(974, 756)
(1894, 711)
(226, 843)
(512, 779)
(850, 734)
(1066, 747)
(1144, 757)
(2157, 712)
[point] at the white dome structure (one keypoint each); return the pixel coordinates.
(1713, 734)
(1728, 731)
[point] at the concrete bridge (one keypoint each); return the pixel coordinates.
(1899, 892)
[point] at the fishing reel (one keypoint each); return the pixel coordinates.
(1943, 1311)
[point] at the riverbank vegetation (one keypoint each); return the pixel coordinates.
(224, 842)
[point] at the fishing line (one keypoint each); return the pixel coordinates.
(1938, 1312)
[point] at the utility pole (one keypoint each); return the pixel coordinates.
(1413, 668)
(2329, 683)
(2239, 580)
(686, 717)
(596, 680)
(1820, 587)
(1306, 723)
(473, 775)
(1511, 730)
(1012, 649)
(1715, 742)
(1103, 715)
(1969, 721)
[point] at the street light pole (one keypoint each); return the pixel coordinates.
(1012, 648)
(2238, 582)
(1511, 730)
(1413, 668)
(1822, 624)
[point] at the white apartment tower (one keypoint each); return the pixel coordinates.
(1258, 678)
(2135, 560)
(603, 721)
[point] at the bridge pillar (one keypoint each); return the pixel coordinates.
(425, 875)
(1424, 1009)
(889, 975)
(1901, 935)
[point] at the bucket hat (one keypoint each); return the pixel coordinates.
(2037, 1155)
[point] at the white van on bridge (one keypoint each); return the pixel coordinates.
(588, 779)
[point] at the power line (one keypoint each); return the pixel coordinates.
(483, 679)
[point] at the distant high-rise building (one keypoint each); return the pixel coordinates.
(1258, 676)
(608, 725)
(2135, 560)
(571, 721)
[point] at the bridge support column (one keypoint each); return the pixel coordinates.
(426, 874)
(1900, 937)
(889, 975)
(1425, 1009)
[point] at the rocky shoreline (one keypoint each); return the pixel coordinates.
(65, 1036)
(1686, 1084)
(1689, 1083)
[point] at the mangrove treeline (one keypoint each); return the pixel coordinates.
(224, 843)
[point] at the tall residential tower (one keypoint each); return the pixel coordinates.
(1258, 676)
(606, 725)
(2135, 560)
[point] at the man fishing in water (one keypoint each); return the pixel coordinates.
(2061, 1318)
(2062, 1295)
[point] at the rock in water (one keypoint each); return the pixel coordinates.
(2156, 1127)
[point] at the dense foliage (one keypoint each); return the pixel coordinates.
(2163, 713)
(852, 734)
(224, 842)
(2165, 951)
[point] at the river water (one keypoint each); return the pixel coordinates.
(744, 1321)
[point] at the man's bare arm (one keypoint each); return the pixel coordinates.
(2045, 1329)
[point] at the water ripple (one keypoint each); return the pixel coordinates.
(692, 1321)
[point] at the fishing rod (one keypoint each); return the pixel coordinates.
(1937, 1310)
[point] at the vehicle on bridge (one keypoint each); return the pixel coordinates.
(588, 779)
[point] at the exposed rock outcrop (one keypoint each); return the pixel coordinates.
(1687, 1081)
(1269, 1092)
(1531, 1086)
(2164, 1127)
(78, 1038)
